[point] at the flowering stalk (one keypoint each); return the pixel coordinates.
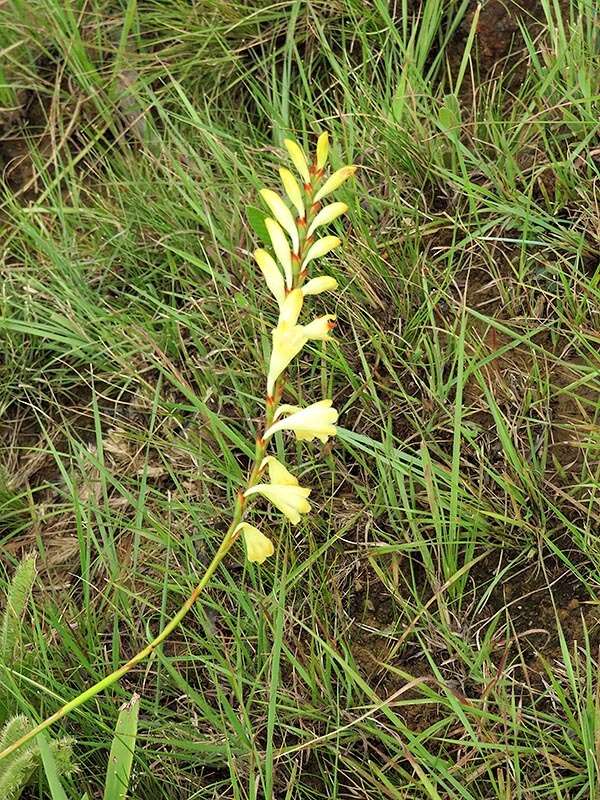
(286, 277)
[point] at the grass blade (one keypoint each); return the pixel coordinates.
(122, 749)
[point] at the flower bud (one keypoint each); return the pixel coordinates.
(322, 150)
(334, 181)
(298, 158)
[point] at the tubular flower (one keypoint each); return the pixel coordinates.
(281, 248)
(287, 343)
(335, 181)
(289, 339)
(283, 491)
(258, 546)
(282, 214)
(298, 158)
(290, 184)
(316, 421)
(320, 248)
(327, 215)
(272, 275)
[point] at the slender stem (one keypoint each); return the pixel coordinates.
(229, 538)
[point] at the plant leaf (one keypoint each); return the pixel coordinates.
(256, 218)
(121, 751)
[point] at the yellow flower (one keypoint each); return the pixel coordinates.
(289, 337)
(283, 491)
(282, 214)
(298, 159)
(322, 283)
(287, 343)
(335, 180)
(281, 248)
(272, 275)
(315, 421)
(320, 248)
(258, 546)
(327, 215)
(290, 184)
(322, 150)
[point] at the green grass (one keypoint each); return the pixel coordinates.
(432, 630)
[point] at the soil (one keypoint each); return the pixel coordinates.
(17, 128)
(528, 611)
(498, 40)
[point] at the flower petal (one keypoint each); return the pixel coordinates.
(290, 500)
(272, 274)
(285, 408)
(334, 181)
(287, 343)
(281, 248)
(319, 328)
(278, 473)
(298, 158)
(282, 214)
(316, 421)
(290, 309)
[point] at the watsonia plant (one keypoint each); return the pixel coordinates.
(296, 244)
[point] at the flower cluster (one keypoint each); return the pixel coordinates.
(296, 244)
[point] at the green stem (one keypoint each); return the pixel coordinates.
(226, 544)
